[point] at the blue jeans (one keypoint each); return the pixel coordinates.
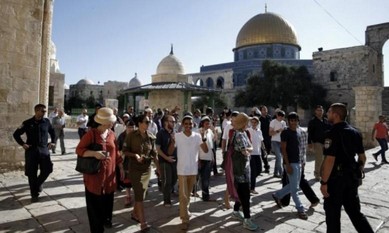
(293, 186)
(276, 146)
(384, 147)
(205, 174)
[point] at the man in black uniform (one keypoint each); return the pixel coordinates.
(36, 149)
(340, 172)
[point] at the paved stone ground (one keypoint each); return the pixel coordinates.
(62, 203)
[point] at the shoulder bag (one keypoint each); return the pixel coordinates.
(89, 165)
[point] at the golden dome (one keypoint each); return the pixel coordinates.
(267, 28)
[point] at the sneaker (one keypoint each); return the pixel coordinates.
(248, 224)
(167, 205)
(34, 199)
(277, 200)
(384, 162)
(314, 204)
(237, 215)
(302, 215)
(107, 224)
(253, 192)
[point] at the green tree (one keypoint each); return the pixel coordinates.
(76, 102)
(90, 101)
(281, 86)
(207, 101)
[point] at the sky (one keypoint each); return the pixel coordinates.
(105, 40)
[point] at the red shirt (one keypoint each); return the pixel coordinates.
(381, 129)
(104, 181)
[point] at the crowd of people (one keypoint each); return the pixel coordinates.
(183, 154)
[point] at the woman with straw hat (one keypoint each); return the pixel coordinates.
(100, 187)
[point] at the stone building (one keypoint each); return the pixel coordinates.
(86, 88)
(24, 68)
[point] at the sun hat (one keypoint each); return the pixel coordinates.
(205, 118)
(105, 116)
(254, 118)
(241, 121)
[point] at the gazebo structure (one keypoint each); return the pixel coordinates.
(170, 87)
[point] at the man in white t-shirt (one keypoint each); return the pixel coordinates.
(206, 158)
(276, 126)
(82, 121)
(188, 145)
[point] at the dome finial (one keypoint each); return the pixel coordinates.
(136, 75)
(265, 7)
(171, 49)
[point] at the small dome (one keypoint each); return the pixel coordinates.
(170, 65)
(267, 28)
(85, 81)
(135, 82)
(65, 86)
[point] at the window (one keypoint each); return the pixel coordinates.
(333, 76)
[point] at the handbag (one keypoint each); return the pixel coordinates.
(89, 165)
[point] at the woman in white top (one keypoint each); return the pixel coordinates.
(255, 160)
(206, 158)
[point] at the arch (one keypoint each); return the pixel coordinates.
(220, 82)
(210, 82)
(199, 82)
(376, 36)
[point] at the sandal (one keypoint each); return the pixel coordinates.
(133, 217)
(127, 202)
(144, 227)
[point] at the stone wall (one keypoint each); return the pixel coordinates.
(368, 106)
(22, 47)
(169, 99)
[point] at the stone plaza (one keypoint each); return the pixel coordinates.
(62, 204)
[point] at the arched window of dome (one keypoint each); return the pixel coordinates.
(210, 82)
(199, 82)
(91, 92)
(220, 83)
